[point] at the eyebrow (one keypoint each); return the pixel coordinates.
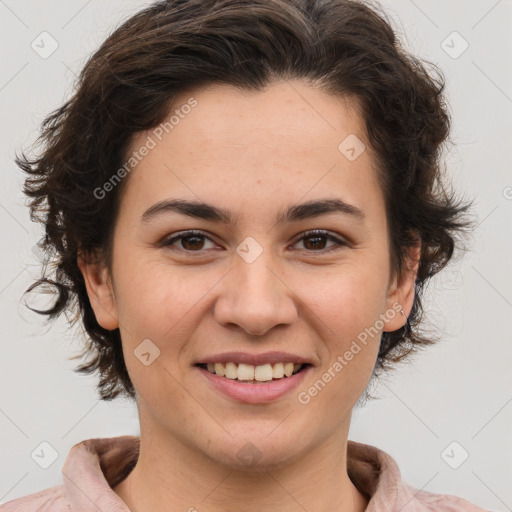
(294, 213)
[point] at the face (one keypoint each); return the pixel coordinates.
(251, 285)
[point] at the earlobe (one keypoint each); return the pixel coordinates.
(100, 291)
(401, 295)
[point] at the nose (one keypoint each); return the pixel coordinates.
(255, 297)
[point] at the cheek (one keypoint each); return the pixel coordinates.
(349, 303)
(349, 297)
(155, 295)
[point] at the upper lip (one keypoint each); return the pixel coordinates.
(254, 359)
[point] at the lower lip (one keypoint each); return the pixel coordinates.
(263, 392)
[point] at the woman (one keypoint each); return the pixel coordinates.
(243, 199)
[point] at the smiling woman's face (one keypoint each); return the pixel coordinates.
(256, 283)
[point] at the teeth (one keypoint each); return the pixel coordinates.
(220, 369)
(245, 372)
(231, 371)
(248, 372)
(263, 373)
(278, 371)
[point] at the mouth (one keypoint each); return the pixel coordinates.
(254, 384)
(254, 374)
(254, 378)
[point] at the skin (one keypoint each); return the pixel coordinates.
(253, 154)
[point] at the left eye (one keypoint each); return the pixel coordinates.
(318, 239)
(193, 241)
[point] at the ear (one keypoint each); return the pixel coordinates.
(99, 289)
(401, 291)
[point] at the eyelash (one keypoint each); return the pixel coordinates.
(308, 234)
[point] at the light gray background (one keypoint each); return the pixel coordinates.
(459, 390)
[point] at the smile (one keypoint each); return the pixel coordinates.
(249, 373)
(254, 390)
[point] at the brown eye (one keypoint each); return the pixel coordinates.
(191, 241)
(315, 241)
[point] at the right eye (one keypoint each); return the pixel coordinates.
(191, 241)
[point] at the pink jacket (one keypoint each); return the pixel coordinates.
(93, 467)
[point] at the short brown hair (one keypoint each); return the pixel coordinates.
(348, 48)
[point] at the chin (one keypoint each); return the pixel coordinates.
(258, 451)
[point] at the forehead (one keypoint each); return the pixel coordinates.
(286, 109)
(279, 144)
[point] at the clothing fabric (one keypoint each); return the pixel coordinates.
(95, 466)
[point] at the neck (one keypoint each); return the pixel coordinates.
(169, 475)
